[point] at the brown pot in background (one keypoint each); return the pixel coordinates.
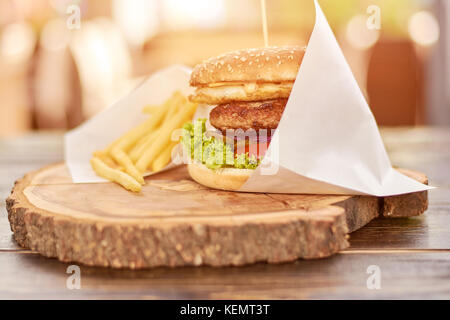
(395, 83)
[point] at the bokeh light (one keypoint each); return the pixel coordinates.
(138, 19)
(358, 35)
(182, 14)
(17, 42)
(424, 28)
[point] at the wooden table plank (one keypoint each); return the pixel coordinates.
(413, 254)
(426, 149)
(17, 157)
(430, 230)
(420, 275)
(423, 149)
(7, 242)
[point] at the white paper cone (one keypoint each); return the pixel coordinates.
(327, 141)
(101, 130)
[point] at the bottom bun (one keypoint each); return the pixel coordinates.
(225, 178)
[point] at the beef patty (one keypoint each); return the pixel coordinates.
(248, 115)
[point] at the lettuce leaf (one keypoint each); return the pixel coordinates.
(212, 151)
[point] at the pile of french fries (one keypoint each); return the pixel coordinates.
(147, 147)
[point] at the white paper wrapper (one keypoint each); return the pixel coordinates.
(100, 131)
(327, 141)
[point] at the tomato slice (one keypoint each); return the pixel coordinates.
(257, 149)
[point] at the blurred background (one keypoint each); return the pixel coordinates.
(63, 61)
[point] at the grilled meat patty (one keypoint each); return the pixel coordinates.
(248, 115)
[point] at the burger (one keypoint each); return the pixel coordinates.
(249, 90)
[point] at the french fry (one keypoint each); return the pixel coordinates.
(146, 146)
(130, 138)
(122, 158)
(104, 156)
(139, 148)
(164, 157)
(112, 145)
(125, 180)
(145, 142)
(177, 96)
(164, 136)
(134, 134)
(150, 109)
(142, 141)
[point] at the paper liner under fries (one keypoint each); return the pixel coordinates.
(98, 132)
(327, 141)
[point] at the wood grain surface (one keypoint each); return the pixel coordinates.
(412, 253)
(176, 222)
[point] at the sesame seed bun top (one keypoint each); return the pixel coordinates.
(271, 64)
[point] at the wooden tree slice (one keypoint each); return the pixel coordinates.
(177, 222)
